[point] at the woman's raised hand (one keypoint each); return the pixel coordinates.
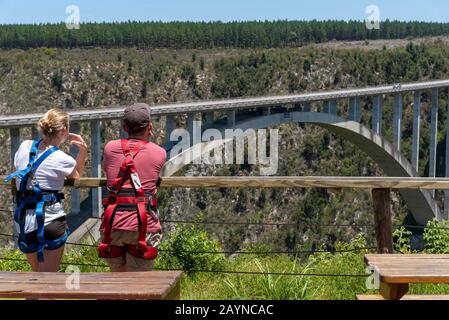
(77, 140)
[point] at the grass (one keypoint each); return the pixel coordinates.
(199, 286)
(310, 281)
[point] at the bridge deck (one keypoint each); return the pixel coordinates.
(155, 285)
(111, 113)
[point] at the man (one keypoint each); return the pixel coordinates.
(130, 228)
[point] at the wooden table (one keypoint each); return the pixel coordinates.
(156, 285)
(397, 271)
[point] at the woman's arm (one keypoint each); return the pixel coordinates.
(78, 141)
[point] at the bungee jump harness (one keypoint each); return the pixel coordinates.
(128, 199)
(36, 199)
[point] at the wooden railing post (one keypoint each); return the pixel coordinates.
(382, 220)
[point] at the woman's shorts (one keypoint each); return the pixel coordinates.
(53, 231)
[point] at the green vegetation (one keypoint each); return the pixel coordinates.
(262, 34)
(178, 251)
(34, 80)
(347, 266)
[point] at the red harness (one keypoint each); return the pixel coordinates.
(120, 197)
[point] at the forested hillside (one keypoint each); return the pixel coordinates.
(34, 80)
(255, 34)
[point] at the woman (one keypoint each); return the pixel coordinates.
(41, 171)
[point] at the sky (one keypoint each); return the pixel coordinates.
(53, 11)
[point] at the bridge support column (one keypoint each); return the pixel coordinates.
(95, 145)
(266, 112)
(231, 119)
(377, 115)
(35, 134)
(354, 109)
(433, 135)
(397, 122)
(190, 119)
(446, 160)
(75, 193)
(416, 130)
(194, 131)
(330, 106)
(208, 119)
(169, 127)
(15, 143)
(326, 106)
(123, 133)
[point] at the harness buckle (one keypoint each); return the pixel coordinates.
(33, 179)
(129, 161)
(112, 191)
(112, 198)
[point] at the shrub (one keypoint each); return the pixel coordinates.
(56, 81)
(181, 249)
(436, 237)
(13, 260)
(402, 240)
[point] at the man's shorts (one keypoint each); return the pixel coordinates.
(124, 238)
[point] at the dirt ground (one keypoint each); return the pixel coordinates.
(379, 44)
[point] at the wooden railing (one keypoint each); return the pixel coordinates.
(281, 182)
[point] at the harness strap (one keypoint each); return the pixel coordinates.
(127, 170)
(135, 182)
(37, 197)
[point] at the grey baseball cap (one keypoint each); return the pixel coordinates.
(137, 115)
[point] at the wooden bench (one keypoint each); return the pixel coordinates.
(397, 271)
(156, 285)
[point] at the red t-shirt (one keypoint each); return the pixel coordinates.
(148, 162)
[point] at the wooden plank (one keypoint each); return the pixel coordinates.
(415, 268)
(172, 293)
(281, 182)
(393, 291)
(138, 285)
(382, 220)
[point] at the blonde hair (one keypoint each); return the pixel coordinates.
(52, 122)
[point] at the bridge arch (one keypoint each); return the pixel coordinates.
(420, 202)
